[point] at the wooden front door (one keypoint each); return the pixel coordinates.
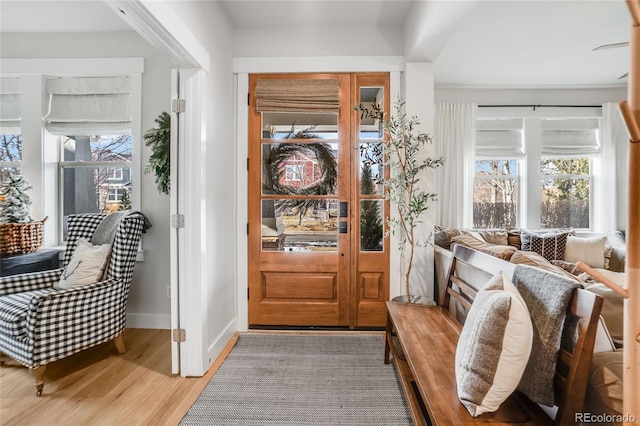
(317, 256)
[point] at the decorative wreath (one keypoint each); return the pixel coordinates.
(279, 153)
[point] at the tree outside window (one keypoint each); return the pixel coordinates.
(10, 154)
(564, 193)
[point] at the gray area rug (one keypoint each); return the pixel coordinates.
(302, 379)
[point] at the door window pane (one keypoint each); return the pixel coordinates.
(299, 225)
(371, 225)
(299, 125)
(299, 168)
(371, 168)
(495, 194)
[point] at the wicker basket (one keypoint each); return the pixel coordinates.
(17, 238)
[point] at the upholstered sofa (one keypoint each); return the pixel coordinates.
(558, 252)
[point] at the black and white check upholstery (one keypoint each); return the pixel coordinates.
(39, 324)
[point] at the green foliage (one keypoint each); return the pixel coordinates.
(402, 154)
(125, 201)
(371, 226)
(567, 187)
(158, 140)
(16, 203)
(277, 154)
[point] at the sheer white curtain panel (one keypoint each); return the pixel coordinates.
(615, 141)
(454, 136)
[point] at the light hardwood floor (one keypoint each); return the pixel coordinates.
(100, 387)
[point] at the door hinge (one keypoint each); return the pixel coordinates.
(247, 293)
(177, 221)
(178, 335)
(247, 228)
(248, 98)
(178, 106)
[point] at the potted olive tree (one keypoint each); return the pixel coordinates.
(403, 144)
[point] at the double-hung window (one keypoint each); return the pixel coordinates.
(499, 149)
(92, 118)
(567, 149)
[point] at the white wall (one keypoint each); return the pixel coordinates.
(317, 41)
(148, 305)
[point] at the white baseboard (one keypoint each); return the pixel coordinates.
(161, 321)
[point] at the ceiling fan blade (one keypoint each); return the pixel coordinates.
(625, 75)
(611, 46)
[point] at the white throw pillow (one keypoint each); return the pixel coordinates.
(590, 250)
(494, 346)
(86, 266)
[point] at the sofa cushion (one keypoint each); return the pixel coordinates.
(442, 236)
(604, 389)
(498, 237)
(494, 346)
(502, 252)
(551, 246)
(591, 250)
(613, 306)
(514, 239)
(617, 259)
(13, 312)
(530, 258)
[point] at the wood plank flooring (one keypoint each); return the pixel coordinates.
(100, 387)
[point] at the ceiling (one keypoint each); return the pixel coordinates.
(508, 43)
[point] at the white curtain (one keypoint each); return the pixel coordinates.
(87, 106)
(615, 145)
(454, 137)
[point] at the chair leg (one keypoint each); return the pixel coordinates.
(119, 341)
(38, 374)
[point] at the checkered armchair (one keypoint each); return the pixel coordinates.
(40, 324)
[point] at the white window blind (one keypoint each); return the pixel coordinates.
(570, 136)
(499, 138)
(86, 106)
(10, 114)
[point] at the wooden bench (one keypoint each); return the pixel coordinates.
(422, 341)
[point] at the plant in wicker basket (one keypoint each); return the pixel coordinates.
(16, 203)
(19, 232)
